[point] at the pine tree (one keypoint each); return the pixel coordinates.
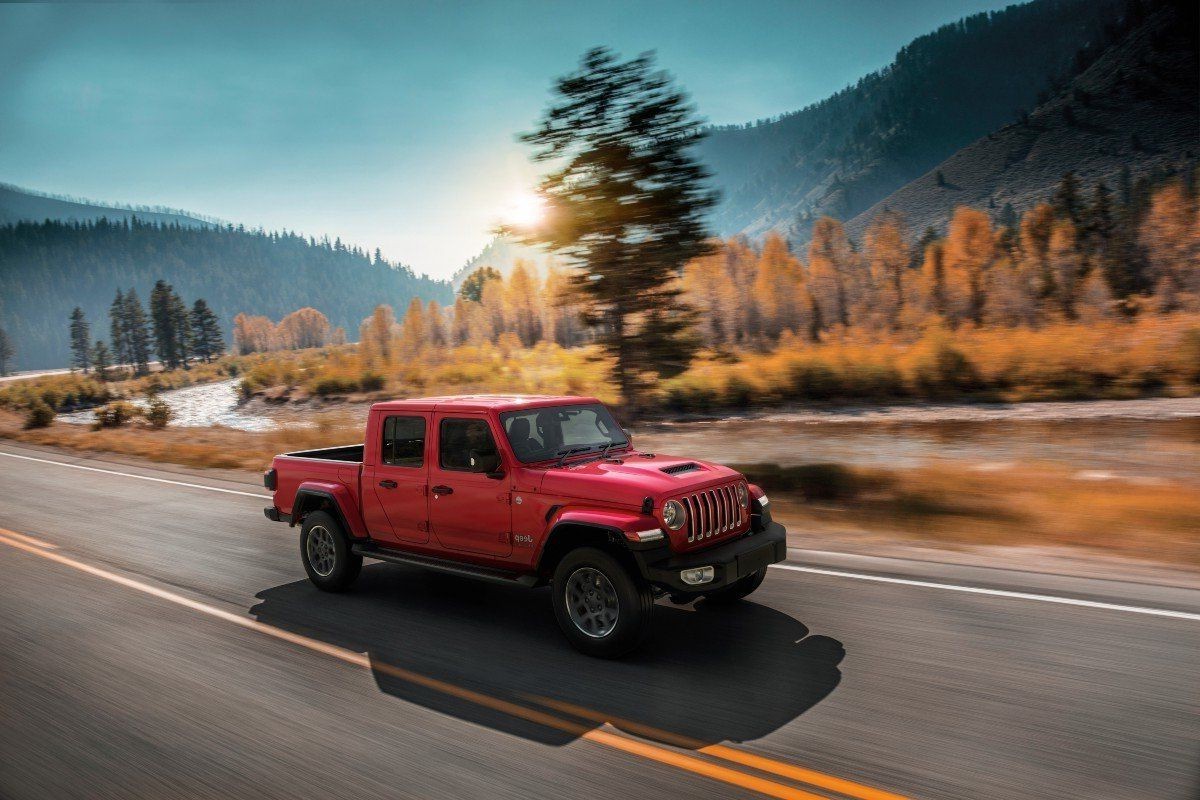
(7, 352)
(162, 321)
(472, 287)
(626, 201)
(137, 332)
(181, 323)
(208, 341)
(1066, 199)
(101, 359)
(81, 341)
(118, 329)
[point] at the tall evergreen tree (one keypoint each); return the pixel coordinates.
(208, 341)
(1066, 199)
(626, 201)
(181, 323)
(118, 329)
(7, 352)
(136, 329)
(101, 359)
(81, 341)
(163, 323)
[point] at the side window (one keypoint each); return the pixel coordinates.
(404, 441)
(458, 438)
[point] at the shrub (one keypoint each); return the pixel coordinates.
(40, 415)
(943, 370)
(371, 382)
(739, 392)
(816, 482)
(158, 413)
(334, 384)
(1189, 355)
(114, 415)
(813, 379)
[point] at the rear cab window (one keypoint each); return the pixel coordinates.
(403, 442)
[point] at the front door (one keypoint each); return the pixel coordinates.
(399, 481)
(468, 510)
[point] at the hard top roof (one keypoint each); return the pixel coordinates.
(483, 402)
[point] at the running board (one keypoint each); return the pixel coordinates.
(441, 565)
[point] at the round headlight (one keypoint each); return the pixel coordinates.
(743, 493)
(674, 514)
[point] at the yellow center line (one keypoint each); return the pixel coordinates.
(28, 539)
(761, 763)
(615, 741)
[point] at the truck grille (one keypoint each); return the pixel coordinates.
(712, 512)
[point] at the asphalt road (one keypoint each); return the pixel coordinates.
(159, 639)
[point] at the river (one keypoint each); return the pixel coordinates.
(1149, 439)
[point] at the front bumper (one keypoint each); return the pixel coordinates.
(730, 561)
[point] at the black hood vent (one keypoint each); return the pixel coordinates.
(679, 469)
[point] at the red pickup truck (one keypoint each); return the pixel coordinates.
(530, 491)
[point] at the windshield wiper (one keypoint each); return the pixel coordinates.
(561, 455)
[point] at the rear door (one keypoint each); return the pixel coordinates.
(396, 485)
(468, 511)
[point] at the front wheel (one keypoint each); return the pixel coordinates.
(735, 591)
(325, 551)
(603, 610)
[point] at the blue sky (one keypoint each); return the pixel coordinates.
(388, 125)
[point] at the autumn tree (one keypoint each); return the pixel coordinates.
(625, 202)
(413, 329)
(970, 250)
(829, 266)
(888, 259)
(777, 286)
(303, 328)
(1170, 236)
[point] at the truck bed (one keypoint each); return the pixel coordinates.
(351, 452)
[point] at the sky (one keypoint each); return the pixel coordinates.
(389, 125)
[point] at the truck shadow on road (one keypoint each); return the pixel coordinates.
(706, 675)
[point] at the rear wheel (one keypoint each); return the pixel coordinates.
(735, 591)
(601, 607)
(325, 551)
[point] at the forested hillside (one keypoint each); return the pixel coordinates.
(46, 269)
(23, 205)
(1133, 115)
(943, 91)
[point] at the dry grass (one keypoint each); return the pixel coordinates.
(216, 447)
(1024, 505)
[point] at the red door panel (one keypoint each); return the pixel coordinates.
(468, 511)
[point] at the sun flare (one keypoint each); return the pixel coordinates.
(523, 209)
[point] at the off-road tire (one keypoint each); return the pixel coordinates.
(737, 590)
(634, 603)
(335, 567)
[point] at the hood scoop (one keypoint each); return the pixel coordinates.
(679, 469)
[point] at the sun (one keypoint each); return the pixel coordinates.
(523, 209)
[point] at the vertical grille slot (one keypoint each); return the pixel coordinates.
(712, 512)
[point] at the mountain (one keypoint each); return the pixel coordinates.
(944, 90)
(502, 253)
(1134, 108)
(24, 205)
(48, 268)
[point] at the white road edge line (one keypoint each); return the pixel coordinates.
(139, 477)
(951, 587)
(862, 576)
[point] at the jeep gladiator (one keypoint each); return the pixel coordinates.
(529, 491)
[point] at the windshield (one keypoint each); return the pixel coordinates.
(538, 434)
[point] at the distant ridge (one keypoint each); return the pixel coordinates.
(18, 204)
(1136, 108)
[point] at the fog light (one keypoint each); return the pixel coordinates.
(697, 575)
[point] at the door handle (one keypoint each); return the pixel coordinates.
(388, 484)
(442, 490)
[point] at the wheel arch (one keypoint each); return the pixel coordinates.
(569, 535)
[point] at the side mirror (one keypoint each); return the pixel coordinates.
(486, 463)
